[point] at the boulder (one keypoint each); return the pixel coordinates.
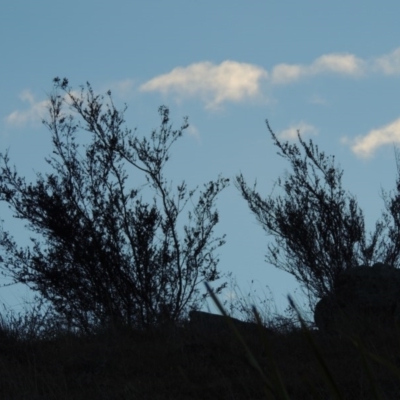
(211, 324)
(362, 296)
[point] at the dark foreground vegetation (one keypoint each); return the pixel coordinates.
(177, 363)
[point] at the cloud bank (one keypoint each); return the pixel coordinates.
(343, 64)
(215, 84)
(231, 81)
(36, 111)
(365, 146)
(389, 64)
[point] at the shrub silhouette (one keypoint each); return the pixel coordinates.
(320, 229)
(106, 261)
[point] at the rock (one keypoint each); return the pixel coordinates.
(362, 295)
(211, 324)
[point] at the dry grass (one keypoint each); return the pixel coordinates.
(180, 364)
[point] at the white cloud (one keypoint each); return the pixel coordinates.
(337, 63)
(215, 84)
(345, 64)
(234, 81)
(364, 146)
(389, 64)
(36, 112)
(291, 132)
(285, 73)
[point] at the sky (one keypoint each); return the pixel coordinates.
(328, 69)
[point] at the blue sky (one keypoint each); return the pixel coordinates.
(329, 69)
